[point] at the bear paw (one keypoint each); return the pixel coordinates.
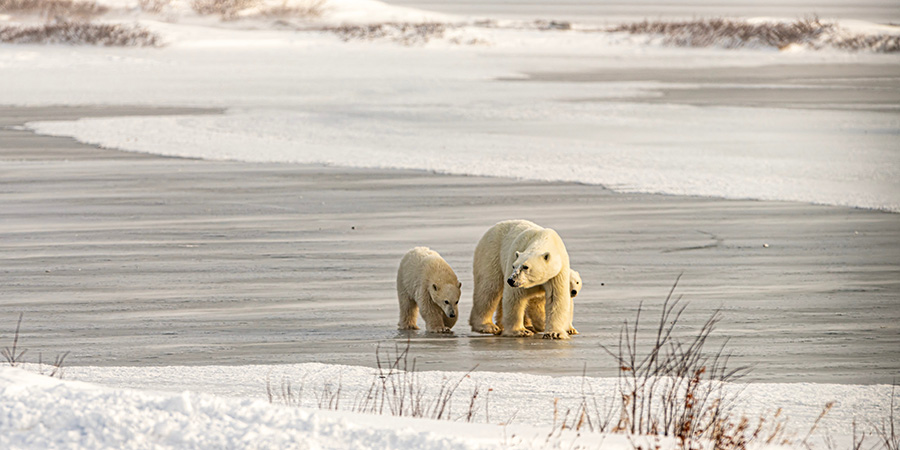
(572, 331)
(517, 333)
(556, 335)
(411, 326)
(440, 330)
(487, 328)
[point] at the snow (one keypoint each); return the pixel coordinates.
(814, 156)
(44, 413)
(307, 97)
(39, 412)
(227, 407)
(294, 95)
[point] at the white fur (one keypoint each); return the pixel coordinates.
(427, 284)
(535, 313)
(533, 259)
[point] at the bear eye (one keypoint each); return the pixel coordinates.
(457, 302)
(447, 302)
(524, 267)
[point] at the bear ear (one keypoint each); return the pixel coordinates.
(434, 286)
(547, 256)
(459, 285)
(517, 254)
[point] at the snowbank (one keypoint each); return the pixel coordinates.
(226, 407)
(38, 412)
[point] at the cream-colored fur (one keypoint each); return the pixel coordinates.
(535, 313)
(426, 284)
(515, 260)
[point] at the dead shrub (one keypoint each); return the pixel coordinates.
(227, 9)
(886, 432)
(80, 33)
(54, 9)
(881, 43)
(395, 390)
(306, 10)
(673, 386)
(154, 6)
(13, 355)
(729, 33)
(403, 33)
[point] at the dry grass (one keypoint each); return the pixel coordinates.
(14, 356)
(673, 386)
(403, 33)
(53, 9)
(80, 33)
(886, 432)
(228, 9)
(232, 9)
(881, 43)
(729, 33)
(154, 6)
(306, 10)
(395, 390)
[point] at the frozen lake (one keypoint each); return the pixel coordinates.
(249, 238)
(127, 259)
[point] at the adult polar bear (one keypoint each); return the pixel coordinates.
(513, 260)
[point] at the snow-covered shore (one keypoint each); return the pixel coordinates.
(227, 407)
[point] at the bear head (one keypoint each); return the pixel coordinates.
(531, 269)
(574, 283)
(446, 297)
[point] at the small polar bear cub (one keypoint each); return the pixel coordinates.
(426, 284)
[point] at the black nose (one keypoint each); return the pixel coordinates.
(574, 293)
(511, 282)
(452, 315)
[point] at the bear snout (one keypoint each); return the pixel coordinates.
(511, 282)
(452, 315)
(574, 292)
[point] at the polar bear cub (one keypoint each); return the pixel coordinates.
(426, 284)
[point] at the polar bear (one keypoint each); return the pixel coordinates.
(513, 261)
(535, 311)
(426, 284)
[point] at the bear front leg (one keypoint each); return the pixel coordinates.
(408, 312)
(559, 308)
(433, 316)
(514, 313)
(571, 330)
(498, 319)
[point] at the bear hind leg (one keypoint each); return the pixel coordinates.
(408, 312)
(485, 300)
